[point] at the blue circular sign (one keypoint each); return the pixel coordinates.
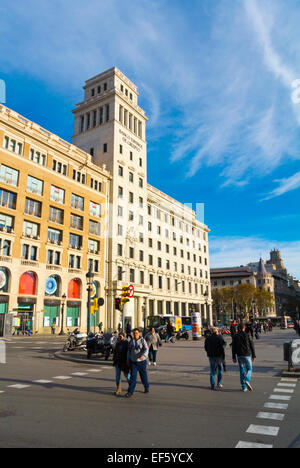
(51, 286)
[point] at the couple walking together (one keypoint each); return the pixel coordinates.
(130, 357)
(243, 352)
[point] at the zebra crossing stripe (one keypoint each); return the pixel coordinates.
(273, 416)
(263, 430)
(251, 445)
(280, 406)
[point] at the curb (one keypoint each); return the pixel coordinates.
(79, 360)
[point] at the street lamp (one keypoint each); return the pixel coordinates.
(62, 333)
(89, 277)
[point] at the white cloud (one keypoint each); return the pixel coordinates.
(237, 251)
(285, 185)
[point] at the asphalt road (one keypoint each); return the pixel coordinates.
(45, 402)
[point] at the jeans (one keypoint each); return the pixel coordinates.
(141, 368)
(245, 363)
(118, 375)
(152, 354)
(169, 337)
(216, 364)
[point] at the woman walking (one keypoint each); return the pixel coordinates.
(153, 341)
(120, 362)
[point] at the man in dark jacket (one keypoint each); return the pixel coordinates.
(215, 349)
(243, 351)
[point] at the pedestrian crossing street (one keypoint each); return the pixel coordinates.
(283, 392)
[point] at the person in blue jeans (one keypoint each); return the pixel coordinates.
(137, 360)
(215, 349)
(243, 351)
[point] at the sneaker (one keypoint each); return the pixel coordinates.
(244, 390)
(154, 364)
(146, 390)
(150, 363)
(128, 395)
(249, 387)
(212, 387)
(220, 386)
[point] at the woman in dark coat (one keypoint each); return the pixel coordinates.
(120, 361)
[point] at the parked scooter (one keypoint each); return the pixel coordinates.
(95, 344)
(76, 340)
(182, 335)
(110, 341)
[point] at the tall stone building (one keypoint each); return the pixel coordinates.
(154, 242)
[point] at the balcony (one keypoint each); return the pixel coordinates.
(54, 267)
(31, 263)
(5, 258)
(75, 271)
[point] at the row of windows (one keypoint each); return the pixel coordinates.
(94, 118)
(189, 256)
(130, 176)
(161, 282)
(33, 229)
(10, 176)
(130, 121)
(98, 89)
(126, 92)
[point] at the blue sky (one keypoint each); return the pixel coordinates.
(216, 79)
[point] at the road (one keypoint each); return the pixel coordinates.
(45, 402)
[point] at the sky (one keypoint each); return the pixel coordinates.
(219, 81)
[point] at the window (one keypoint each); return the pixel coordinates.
(131, 156)
(132, 276)
(95, 209)
(150, 259)
(131, 197)
(31, 229)
(34, 185)
(142, 277)
(5, 248)
(121, 149)
(56, 215)
(94, 228)
(75, 242)
(120, 211)
(54, 236)
(107, 112)
(130, 176)
(120, 230)
(12, 145)
(37, 157)
(105, 87)
(120, 192)
(93, 246)
(6, 222)
(8, 199)
(53, 257)
(131, 216)
(77, 202)
(151, 280)
(141, 183)
(75, 262)
(120, 250)
(9, 176)
(141, 162)
(131, 252)
(59, 167)
(160, 282)
(57, 194)
(76, 222)
(120, 273)
(33, 207)
(141, 256)
(121, 171)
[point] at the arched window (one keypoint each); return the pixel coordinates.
(74, 289)
(28, 283)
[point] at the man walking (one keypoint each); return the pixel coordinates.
(137, 360)
(215, 349)
(243, 351)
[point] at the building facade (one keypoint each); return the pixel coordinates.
(53, 204)
(271, 275)
(155, 242)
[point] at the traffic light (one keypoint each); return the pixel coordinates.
(118, 305)
(125, 294)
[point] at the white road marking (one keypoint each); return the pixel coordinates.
(94, 370)
(289, 380)
(274, 416)
(250, 445)
(292, 385)
(281, 406)
(62, 377)
(42, 381)
(263, 430)
(18, 386)
(2, 391)
(284, 390)
(79, 374)
(280, 397)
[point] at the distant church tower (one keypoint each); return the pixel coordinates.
(276, 260)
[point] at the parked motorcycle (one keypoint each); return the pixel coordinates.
(95, 344)
(76, 340)
(182, 335)
(110, 341)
